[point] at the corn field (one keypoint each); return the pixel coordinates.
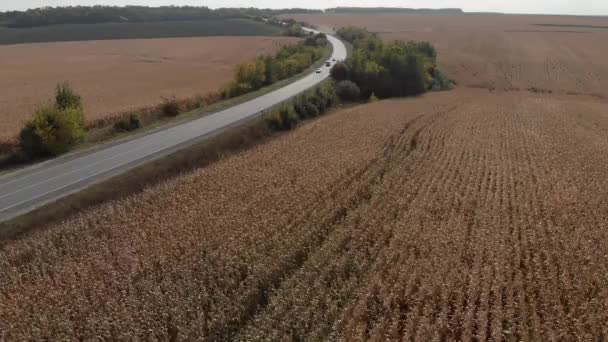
(463, 215)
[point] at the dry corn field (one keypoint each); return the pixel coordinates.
(119, 75)
(502, 52)
(461, 215)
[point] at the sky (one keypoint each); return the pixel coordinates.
(575, 7)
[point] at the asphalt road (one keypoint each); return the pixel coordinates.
(39, 185)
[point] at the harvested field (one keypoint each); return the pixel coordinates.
(458, 215)
(135, 30)
(566, 55)
(120, 75)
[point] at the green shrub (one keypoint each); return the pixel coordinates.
(311, 110)
(318, 102)
(311, 104)
(307, 106)
(327, 94)
(294, 31)
(441, 82)
(265, 70)
(237, 89)
(129, 124)
(298, 107)
(273, 120)
(352, 33)
(414, 77)
(339, 72)
(348, 91)
(252, 73)
(283, 119)
(66, 97)
(319, 39)
(52, 131)
(170, 106)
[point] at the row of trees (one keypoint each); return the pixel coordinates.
(102, 14)
(288, 61)
(388, 69)
(311, 104)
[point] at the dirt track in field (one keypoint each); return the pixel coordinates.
(116, 76)
(502, 52)
(456, 215)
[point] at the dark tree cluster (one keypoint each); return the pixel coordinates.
(392, 69)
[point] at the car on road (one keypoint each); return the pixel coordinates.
(328, 64)
(318, 71)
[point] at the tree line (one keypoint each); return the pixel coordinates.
(104, 14)
(288, 61)
(391, 69)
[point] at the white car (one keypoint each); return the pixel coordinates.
(318, 71)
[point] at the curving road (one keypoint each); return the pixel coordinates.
(49, 182)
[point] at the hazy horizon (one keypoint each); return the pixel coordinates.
(559, 7)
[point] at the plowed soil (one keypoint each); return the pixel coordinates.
(458, 215)
(120, 75)
(502, 52)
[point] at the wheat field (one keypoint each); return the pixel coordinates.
(115, 76)
(462, 215)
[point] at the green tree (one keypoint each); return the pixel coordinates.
(66, 97)
(339, 72)
(348, 91)
(52, 131)
(387, 69)
(252, 73)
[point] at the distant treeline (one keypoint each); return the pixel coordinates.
(394, 10)
(110, 14)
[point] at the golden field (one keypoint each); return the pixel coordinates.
(119, 75)
(461, 215)
(501, 52)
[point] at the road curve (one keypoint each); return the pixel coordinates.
(40, 185)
